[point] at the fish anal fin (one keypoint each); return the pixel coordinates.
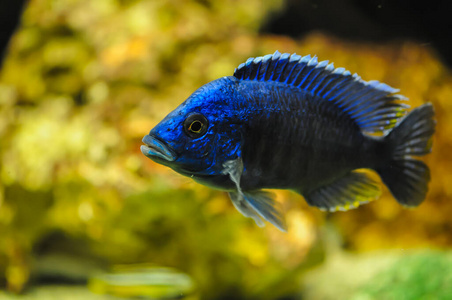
(347, 192)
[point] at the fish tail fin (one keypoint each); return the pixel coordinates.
(405, 176)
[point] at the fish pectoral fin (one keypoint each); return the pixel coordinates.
(234, 169)
(347, 192)
(259, 205)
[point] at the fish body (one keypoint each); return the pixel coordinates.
(289, 122)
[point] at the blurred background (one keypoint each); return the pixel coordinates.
(84, 215)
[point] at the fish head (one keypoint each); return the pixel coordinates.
(192, 139)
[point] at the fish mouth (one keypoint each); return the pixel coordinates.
(155, 148)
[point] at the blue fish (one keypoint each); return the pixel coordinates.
(284, 121)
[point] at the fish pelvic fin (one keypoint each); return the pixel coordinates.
(406, 177)
(257, 205)
(347, 192)
(374, 106)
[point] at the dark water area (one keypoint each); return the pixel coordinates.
(373, 21)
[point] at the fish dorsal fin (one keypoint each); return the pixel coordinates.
(371, 104)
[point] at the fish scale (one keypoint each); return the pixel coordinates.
(272, 161)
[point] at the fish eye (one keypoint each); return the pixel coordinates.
(195, 125)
